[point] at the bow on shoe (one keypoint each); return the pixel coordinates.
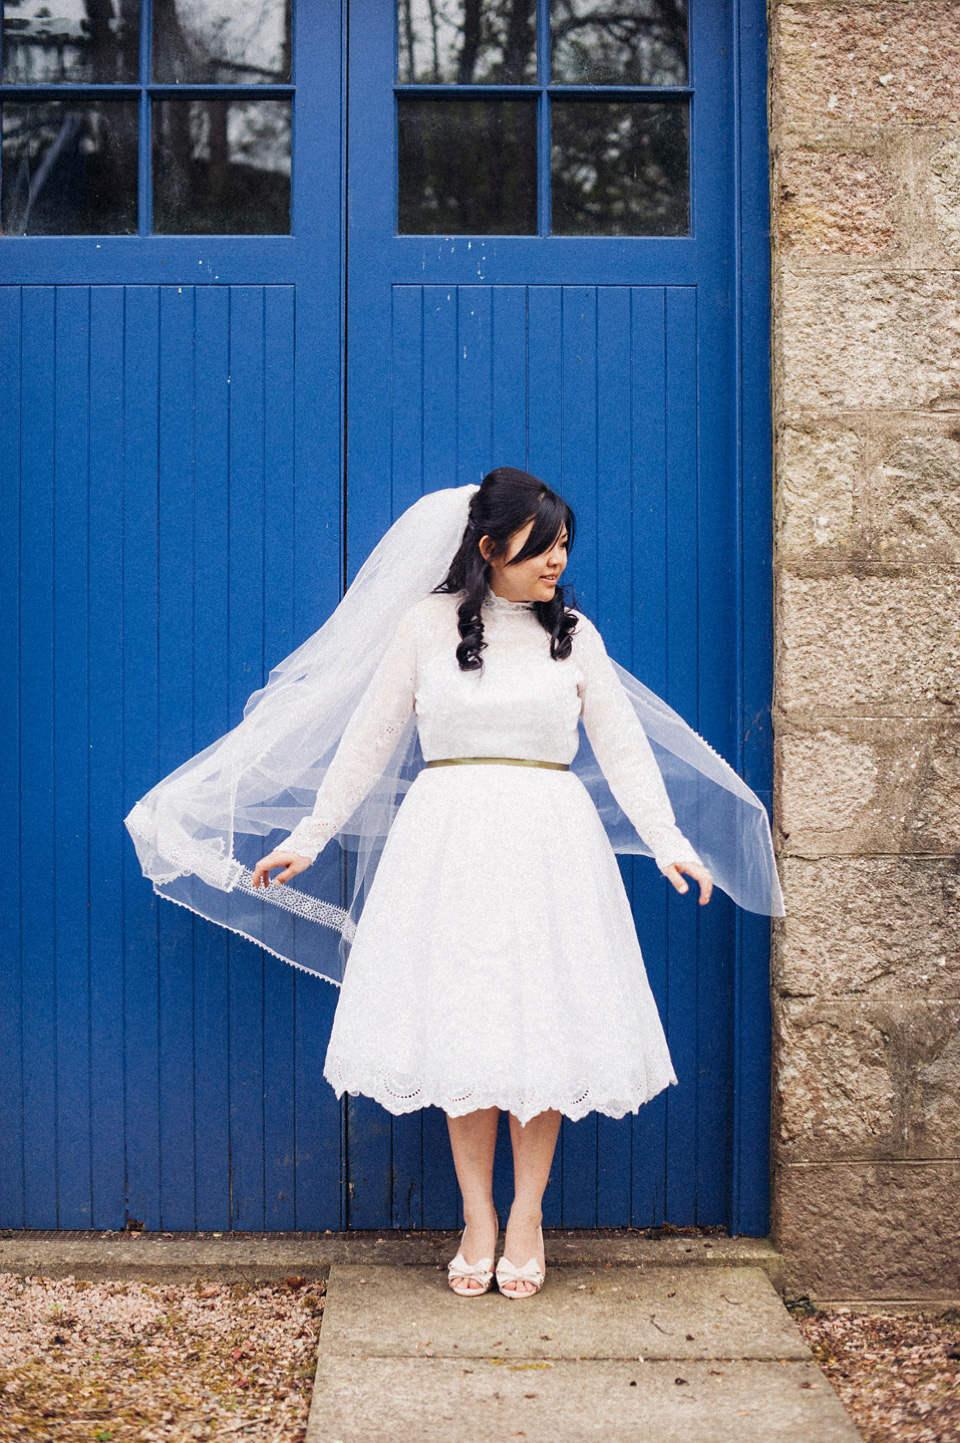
(508, 1272)
(482, 1271)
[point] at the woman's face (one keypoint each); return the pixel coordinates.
(535, 578)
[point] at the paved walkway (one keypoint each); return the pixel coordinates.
(680, 1340)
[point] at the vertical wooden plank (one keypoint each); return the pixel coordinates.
(681, 693)
(717, 685)
(511, 407)
(441, 1200)
(509, 376)
(247, 364)
(319, 509)
(544, 455)
(70, 840)
(176, 530)
(408, 482)
(749, 1207)
(278, 1044)
(578, 480)
(440, 395)
(369, 1127)
(648, 473)
(38, 757)
(615, 617)
(211, 631)
(545, 384)
(371, 216)
(406, 1170)
(11, 1033)
(141, 746)
(107, 839)
(474, 384)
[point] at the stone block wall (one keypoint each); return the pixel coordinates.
(865, 134)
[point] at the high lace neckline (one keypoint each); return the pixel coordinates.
(505, 605)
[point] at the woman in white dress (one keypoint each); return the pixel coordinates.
(495, 964)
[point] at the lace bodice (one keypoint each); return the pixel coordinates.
(522, 704)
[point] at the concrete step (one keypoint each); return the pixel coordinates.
(181, 1256)
(627, 1351)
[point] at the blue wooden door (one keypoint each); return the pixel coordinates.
(556, 261)
(171, 404)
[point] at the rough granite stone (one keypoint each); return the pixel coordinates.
(870, 339)
(915, 499)
(886, 1231)
(878, 926)
(862, 786)
(887, 644)
(894, 61)
(816, 482)
(833, 204)
(828, 780)
(834, 1096)
(867, 1079)
(945, 194)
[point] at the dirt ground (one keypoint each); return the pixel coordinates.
(897, 1374)
(132, 1362)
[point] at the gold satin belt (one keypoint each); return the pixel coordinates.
(511, 761)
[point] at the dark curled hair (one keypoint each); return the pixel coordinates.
(505, 502)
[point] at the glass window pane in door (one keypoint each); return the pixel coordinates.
(467, 167)
(629, 42)
(221, 167)
(620, 167)
(70, 42)
(222, 42)
(69, 167)
(466, 42)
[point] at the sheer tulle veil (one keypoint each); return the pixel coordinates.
(200, 831)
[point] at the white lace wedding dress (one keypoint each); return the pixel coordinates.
(496, 960)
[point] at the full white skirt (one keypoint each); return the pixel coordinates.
(496, 961)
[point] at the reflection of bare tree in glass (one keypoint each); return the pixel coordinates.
(222, 42)
(519, 40)
(70, 169)
(100, 47)
(467, 166)
(129, 39)
(172, 132)
(435, 38)
(286, 53)
(469, 42)
(640, 42)
(620, 168)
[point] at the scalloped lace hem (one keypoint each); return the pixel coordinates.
(410, 1094)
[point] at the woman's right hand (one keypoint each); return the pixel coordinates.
(280, 857)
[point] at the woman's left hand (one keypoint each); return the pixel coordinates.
(699, 874)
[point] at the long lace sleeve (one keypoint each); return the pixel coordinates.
(368, 741)
(623, 751)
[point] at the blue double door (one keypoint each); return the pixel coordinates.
(537, 251)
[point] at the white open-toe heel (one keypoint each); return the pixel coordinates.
(531, 1272)
(458, 1270)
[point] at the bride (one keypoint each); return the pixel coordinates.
(496, 964)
